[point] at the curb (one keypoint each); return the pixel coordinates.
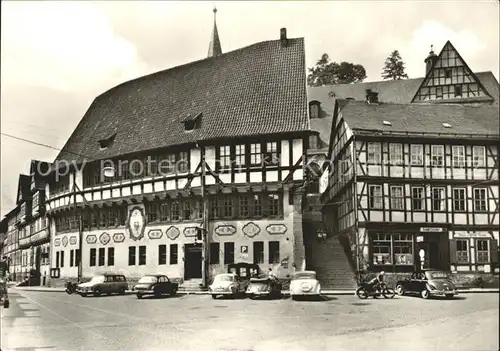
(325, 293)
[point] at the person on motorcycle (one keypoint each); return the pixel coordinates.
(271, 275)
(374, 283)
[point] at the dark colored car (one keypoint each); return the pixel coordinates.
(427, 283)
(155, 284)
(263, 287)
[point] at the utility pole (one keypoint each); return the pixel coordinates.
(204, 234)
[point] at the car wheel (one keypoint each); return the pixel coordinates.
(173, 292)
(139, 296)
(97, 292)
(122, 291)
(400, 290)
(83, 295)
(424, 294)
(251, 296)
(214, 296)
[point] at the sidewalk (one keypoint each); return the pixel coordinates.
(185, 292)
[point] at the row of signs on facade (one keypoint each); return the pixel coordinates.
(250, 229)
(457, 233)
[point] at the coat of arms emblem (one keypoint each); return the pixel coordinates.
(136, 223)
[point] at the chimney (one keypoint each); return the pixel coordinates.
(430, 60)
(283, 39)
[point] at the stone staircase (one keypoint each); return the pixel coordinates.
(191, 285)
(332, 266)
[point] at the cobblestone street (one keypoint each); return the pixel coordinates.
(57, 321)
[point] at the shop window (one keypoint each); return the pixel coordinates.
(459, 200)
(462, 251)
(382, 249)
(417, 198)
(162, 254)
(258, 252)
(274, 252)
(131, 255)
(397, 198)
(174, 258)
(102, 256)
(92, 261)
(483, 251)
(375, 196)
(403, 249)
(228, 253)
(214, 253)
(111, 256)
(142, 255)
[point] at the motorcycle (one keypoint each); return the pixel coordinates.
(366, 290)
(71, 287)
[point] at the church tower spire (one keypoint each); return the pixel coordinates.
(214, 49)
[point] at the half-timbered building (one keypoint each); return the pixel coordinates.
(206, 158)
(413, 169)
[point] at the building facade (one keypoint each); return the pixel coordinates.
(413, 175)
(207, 163)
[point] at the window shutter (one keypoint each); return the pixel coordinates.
(494, 252)
(453, 251)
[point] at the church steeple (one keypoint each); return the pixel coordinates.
(214, 49)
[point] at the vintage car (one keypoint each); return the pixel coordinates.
(107, 283)
(155, 284)
(227, 284)
(264, 287)
(427, 283)
(304, 284)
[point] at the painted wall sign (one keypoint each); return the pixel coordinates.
(136, 223)
(244, 249)
(44, 234)
(65, 241)
(225, 230)
(190, 232)
(155, 234)
(72, 240)
(431, 229)
(284, 262)
(104, 238)
(57, 242)
(251, 229)
(323, 181)
(91, 239)
(172, 233)
(118, 237)
(464, 234)
(276, 229)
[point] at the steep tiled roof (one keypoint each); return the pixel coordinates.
(465, 120)
(256, 90)
(399, 91)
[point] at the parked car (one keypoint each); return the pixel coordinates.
(304, 284)
(263, 287)
(107, 283)
(155, 284)
(427, 283)
(227, 284)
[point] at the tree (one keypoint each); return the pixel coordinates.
(326, 72)
(394, 67)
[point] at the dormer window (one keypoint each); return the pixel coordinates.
(314, 109)
(192, 122)
(107, 142)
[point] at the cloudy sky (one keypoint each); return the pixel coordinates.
(57, 56)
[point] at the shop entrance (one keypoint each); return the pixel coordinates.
(192, 261)
(436, 248)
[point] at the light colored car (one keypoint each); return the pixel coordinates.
(304, 284)
(106, 283)
(228, 284)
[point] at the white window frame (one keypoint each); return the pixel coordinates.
(422, 198)
(225, 154)
(442, 199)
(482, 202)
(466, 251)
(240, 154)
(437, 154)
(478, 157)
(417, 154)
(396, 153)
(458, 155)
(397, 202)
(374, 149)
(371, 195)
(480, 253)
(462, 200)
